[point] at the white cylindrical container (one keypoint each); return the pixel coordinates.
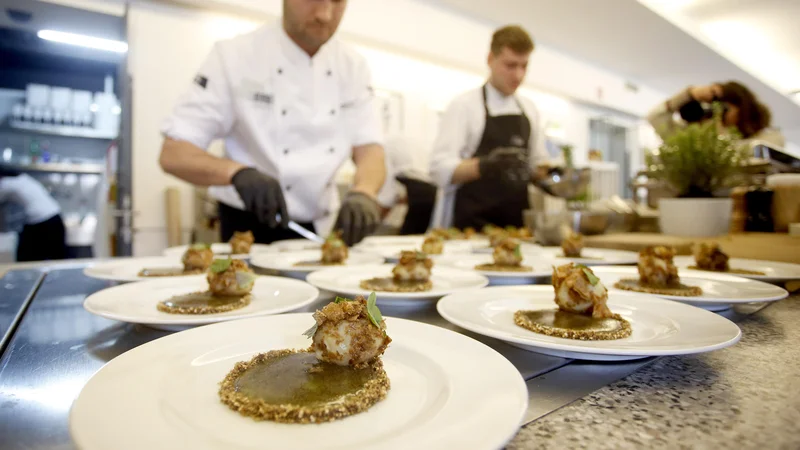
(695, 217)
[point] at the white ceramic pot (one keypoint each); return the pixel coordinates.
(695, 217)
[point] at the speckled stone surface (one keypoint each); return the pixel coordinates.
(745, 396)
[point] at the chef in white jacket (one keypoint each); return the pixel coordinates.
(292, 104)
(489, 144)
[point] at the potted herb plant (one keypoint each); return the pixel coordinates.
(699, 164)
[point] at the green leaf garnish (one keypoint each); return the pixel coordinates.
(309, 333)
(372, 310)
(518, 251)
(421, 256)
(245, 279)
(593, 280)
(200, 246)
(341, 299)
(221, 265)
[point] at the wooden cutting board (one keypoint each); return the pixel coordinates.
(765, 246)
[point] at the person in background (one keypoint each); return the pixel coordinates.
(43, 236)
(292, 104)
(489, 143)
(741, 110)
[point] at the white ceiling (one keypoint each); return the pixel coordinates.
(628, 38)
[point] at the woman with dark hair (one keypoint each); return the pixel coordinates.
(741, 110)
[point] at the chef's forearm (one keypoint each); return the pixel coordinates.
(466, 171)
(370, 169)
(194, 165)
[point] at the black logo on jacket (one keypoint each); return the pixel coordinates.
(201, 81)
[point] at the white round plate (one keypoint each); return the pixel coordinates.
(438, 397)
(414, 241)
(592, 256)
(293, 245)
(136, 302)
(285, 262)
(220, 249)
(774, 272)
(346, 280)
(660, 327)
(541, 269)
(392, 252)
(127, 269)
(719, 290)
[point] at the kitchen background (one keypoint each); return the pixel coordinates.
(422, 54)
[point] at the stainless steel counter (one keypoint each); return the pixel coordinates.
(58, 346)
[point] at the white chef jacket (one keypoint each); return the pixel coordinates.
(25, 190)
(460, 132)
(291, 116)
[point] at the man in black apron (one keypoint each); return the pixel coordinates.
(488, 142)
(500, 195)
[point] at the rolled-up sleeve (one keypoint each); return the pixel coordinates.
(360, 107)
(450, 143)
(205, 111)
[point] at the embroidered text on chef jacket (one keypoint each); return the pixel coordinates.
(291, 116)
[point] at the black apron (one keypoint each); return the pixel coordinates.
(484, 202)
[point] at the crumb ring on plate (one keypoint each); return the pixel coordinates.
(503, 268)
(521, 319)
(371, 393)
(682, 290)
(204, 309)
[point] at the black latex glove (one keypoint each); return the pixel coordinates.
(262, 196)
(505, 165)
(359, 216)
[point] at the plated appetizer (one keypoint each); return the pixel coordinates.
(710, 257)
(433, 244)
(411, 274)
(507, 256)
(229, 284)
(334, 252)
(582, 310)
(658, 275)
(196, 260)
(519, 233)
(241, 241)
(341, 374)
(572, 245)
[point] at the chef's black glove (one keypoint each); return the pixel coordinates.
(262, 196)
(506, 165)
(359, 216)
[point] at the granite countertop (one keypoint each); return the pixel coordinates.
(745, 396)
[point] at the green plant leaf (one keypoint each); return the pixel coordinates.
(421, 256)
(200, 246)
(372, 310)
(245, 279)
(518, 251)
(593, 280)
(341, 299)
(309, 333)
(221, 265)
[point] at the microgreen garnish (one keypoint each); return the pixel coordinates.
(518, 251)
(372, 310)
(309, 333)
(221, 265)
(200, 246)
(341, 299)
(593, 280)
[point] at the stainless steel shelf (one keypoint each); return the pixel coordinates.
(56, 167)
(62, 130)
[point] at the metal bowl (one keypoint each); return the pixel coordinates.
(568, 184)
(589, 222)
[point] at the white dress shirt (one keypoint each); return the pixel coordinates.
(291, 116)
(23, 189)
(460, 132)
